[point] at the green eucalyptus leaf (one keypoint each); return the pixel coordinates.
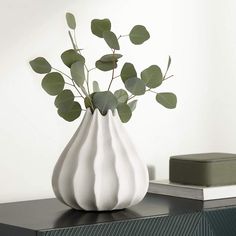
(105, 66)
(152, 76)
(53, 83)
(104, 101)
(121, 96)
(70, 56)
(96, 87)
(99, 26)
(132, 105)
(111, 40)
(139, 34)
(70, 19)
(77, 73)
(40, 65)
(169, 62)
(135, 85)
(64, 100)
(71, 114)
(124, 112)
(110, 57)
(168, 100)
(88, 102)
(128, 71)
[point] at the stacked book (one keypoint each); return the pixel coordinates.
(207, 176)
(165, 187)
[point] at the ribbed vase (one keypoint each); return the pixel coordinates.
(100, 169)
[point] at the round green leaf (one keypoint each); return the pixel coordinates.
(53, 83)
(105, 66)
(96, 87)
(70, 56)
(104, 101)
(124, 112)
(135, 86)
(40, 65)
(71, 114)
(99, 26)
(111, 40)
(64, 100)
(132, 105)
(152, 76)
(128, 71)
(77, 73)
(139, 34)
(168, 100)
(121, 96)
(110, 57)
(70, 19)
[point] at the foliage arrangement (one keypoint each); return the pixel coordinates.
(123, 99)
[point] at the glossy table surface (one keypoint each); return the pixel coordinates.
(50, 213)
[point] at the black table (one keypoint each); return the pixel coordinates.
(155, 215)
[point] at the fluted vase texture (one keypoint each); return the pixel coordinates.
(100, 169)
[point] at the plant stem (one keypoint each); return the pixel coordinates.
(113, 70)
(92, 69)
(69, 84)
(62, 73)
(168, 77)
(125, 35)
(87, 82)
(76, 48)
(131, 97)
(149, 90)
(70, 79)
(76, 44)
(116, 76)
(72, 41)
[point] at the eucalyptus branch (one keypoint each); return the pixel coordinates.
(131, 97)
(74, 85)
(75, 45)
(80, 77)
(116, 76)
(125, 35)
(69, 84)
(87, 82)
(94, 68)
(113, 70)
(62, 73)
(72, 41)
(149, 90)
(168, 77)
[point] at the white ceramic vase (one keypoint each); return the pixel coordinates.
(100, 169)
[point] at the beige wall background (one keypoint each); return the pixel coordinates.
(200, 35)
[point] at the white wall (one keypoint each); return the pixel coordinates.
(200, 35)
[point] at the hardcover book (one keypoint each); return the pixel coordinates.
(165, 187)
